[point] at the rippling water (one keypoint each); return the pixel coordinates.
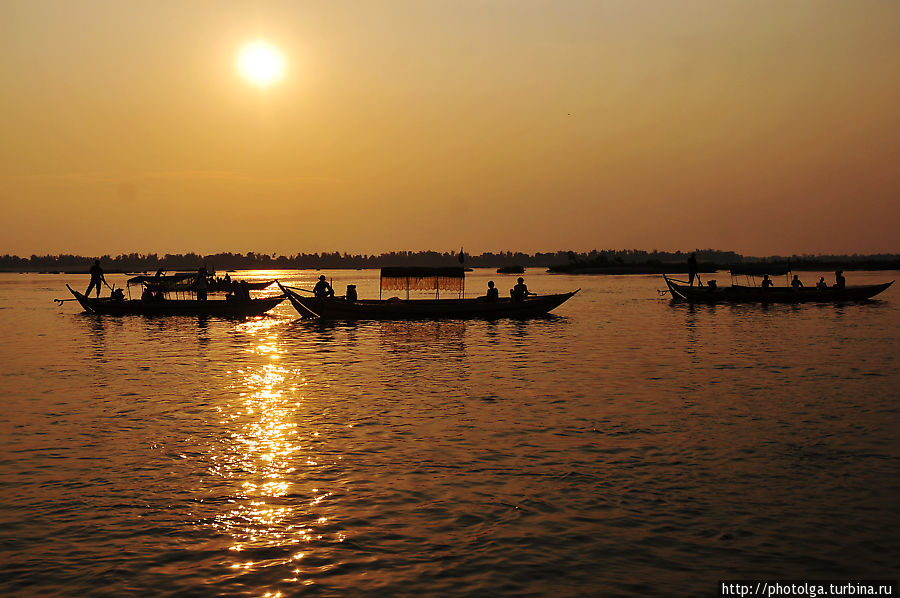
(625, 447)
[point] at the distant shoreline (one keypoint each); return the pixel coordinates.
(608, 261)
(622, 270)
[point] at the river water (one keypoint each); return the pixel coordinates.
(624, 447)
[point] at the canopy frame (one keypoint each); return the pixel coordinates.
(423, 279)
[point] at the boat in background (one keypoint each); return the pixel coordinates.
(422, 279)
(511, 270)
(682, 291)
(220, 285)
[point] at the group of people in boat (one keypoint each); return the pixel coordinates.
(839, 282)
(324, 290)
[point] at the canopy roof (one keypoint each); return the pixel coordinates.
(423, 279)
(773, 269)
(168, 281)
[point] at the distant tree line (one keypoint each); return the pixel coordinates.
(139, 262)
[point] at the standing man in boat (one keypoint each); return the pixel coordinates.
(323, 290)
(201, 284)
(96, 279)
(692, 269)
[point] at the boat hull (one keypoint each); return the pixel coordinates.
(743, 294)
(402, 309)
(220, 308)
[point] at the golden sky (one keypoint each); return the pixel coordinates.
(759, 126)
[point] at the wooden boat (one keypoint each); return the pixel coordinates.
(681, 291)
(223, 308)
(338, 308)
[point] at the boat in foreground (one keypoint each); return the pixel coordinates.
(338, 308)
(223, 308)
(681, 291)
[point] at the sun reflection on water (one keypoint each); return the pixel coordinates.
(266, 456)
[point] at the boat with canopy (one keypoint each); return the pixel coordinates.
(431, 280)
(751, 292)
(172, 295)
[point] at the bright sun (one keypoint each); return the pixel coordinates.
(260, 63)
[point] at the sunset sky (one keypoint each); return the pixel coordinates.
(759, 126)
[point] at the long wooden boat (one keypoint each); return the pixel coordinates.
(338, 308)
(748, 294)
(222, 308)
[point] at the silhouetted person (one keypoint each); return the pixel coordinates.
(227, 280)
(839, 281)
(766, 283)
(795, 283)
(323, 290)
(712, 285)
(351, 292)
(520, 291)
(692, 269)
(821, 285)
(200, 285)
(96, 278)
(243, 293)
(492, 292)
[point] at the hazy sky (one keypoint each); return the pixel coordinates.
(760, 126)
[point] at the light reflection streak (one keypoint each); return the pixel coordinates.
(264, 456)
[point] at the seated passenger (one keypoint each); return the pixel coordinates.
(839, 281)
(323, 290)
(766, 283)
(821, 285)
(795, 283)
(492, 293)
(351, 292)
(520, 291)
(712, 285)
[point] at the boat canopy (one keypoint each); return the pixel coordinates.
(170, 281)
(772, 269)
(423, 279)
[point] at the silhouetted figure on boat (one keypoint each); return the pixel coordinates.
(822, 285)
(520, 291)
(96, 279)
(692, 269)
(839, 281)
(711, 285)
(795, 283)
(351, 292)
(201, 285)
(492, 292)
(766, 283)
(323, 290)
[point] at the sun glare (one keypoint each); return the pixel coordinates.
(260, 63)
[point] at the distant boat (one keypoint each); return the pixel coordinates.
(511, 269)
(223, 308)
(614, 268)
(682, 291)
(221, 286)
(422, 279)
